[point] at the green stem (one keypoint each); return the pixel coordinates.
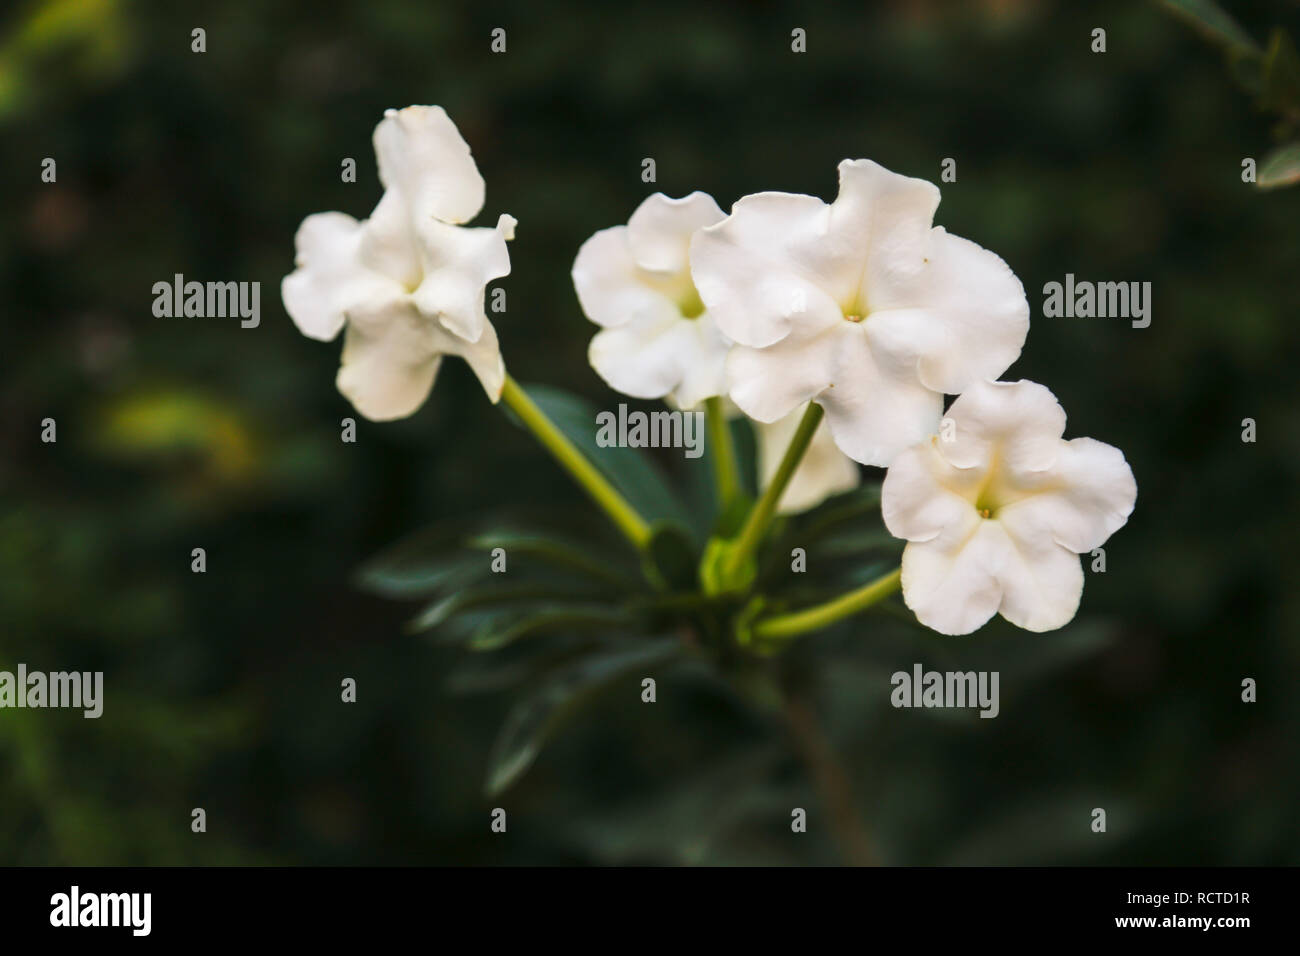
(823, 615)
(593, 482)
(760, 516)
(726, 477)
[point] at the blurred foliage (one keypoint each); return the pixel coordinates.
(1271, 75)
(223, 689)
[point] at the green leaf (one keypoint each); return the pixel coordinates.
(701, 486)
(1281, 86)
(535, 719)
(509, 626)
(557, 552)
(670, 557)
(421, 565)
(514, 666)
(732, 518)
(1213, 22)
(450, 555)
(854, 542)
(1280, 167)
(444, 609)
(862, 505)
(630, 470)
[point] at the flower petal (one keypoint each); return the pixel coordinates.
(1014, 427)
(391, 355)
(953, 589)
(917, 501)
(483, 358)
(612, 289)
(1087, 496)
(704, 364)
(421, 155)
(824, 470)
(388, 244)
(330, 277)
(767, 384)
(873, 412)
(1042, 582)
(458, 263)
(886, 218)
(767, 267)
(645, 358)
(659, 232)
(676, 358)
(389, 360)
(962, 318)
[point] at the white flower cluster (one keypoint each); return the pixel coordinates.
(867, 308)
(861, 305)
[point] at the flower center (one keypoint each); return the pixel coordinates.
(857, 307)
(986, 502)
(690, 305)
(989, 498)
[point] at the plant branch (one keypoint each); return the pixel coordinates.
(760, 516)
(726, 476)
(633, 526)
(831, 781)
(818, 616)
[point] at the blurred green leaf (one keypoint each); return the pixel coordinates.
(1212, 21)
(513, 666)
(632, 471)
(1281, 167)
(701, 486)
(90, 39)
(535, 719)
(670, 558)
(497, 633)
(857, 542)
(444, 609)
(830, 517)
(168, 425)
(421, 565)
(564, 554)
(1281, 86)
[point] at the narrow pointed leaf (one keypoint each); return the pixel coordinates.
(1280, 168)
(532, 722)
(631, 470)
(1213, 22)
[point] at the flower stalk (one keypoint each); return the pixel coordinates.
(784, 626)
(633, 526)
(760, 516)
(726, 475)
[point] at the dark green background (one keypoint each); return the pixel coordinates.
(223, 688)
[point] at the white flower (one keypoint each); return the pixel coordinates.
(635, 281)
(407, 283)
(861, 305)
(823, 471)
(996, 517)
